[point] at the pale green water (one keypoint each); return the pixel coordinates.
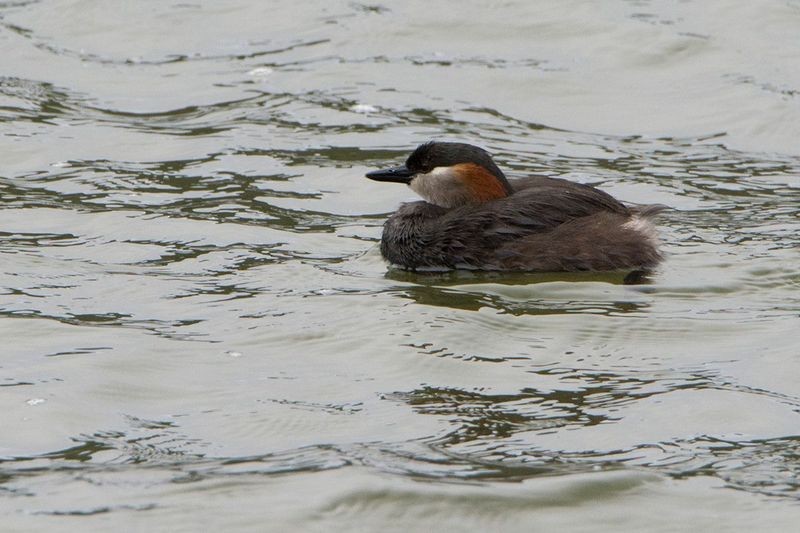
(199, 332)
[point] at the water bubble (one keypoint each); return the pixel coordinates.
(363, 108)
(260, 72)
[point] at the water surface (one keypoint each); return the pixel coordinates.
(199, 330)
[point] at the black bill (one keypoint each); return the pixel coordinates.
(394, 174)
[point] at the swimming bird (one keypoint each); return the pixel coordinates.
(473, 217)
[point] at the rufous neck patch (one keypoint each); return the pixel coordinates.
(482, 184)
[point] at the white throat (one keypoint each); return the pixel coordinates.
(441, 186)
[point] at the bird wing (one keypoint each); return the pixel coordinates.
(472, 234)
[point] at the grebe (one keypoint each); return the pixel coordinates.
(473, 217)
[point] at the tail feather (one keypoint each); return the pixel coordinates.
(649, 211)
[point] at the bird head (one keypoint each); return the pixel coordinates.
(449, 174)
